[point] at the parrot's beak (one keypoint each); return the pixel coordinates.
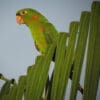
(19, 19)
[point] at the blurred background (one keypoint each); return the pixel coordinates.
(17, 49)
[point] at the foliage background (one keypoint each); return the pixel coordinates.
(16, 46)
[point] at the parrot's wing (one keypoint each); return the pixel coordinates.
(50, 32)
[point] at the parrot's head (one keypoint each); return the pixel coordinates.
(27, 15)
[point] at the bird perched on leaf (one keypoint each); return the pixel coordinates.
(42, 31)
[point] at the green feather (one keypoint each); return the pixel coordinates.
(35, 21)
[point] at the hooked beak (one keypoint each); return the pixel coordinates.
(19, 19)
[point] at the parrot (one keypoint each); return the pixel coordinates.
(43, 32)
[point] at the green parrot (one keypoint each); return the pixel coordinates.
(42, 31)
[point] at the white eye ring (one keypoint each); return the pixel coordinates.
(24, 12)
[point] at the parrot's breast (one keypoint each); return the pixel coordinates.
(39, 37)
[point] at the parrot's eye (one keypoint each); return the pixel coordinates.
(23, 12)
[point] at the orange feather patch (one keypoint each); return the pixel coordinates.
(35, 17)
(41, 29)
